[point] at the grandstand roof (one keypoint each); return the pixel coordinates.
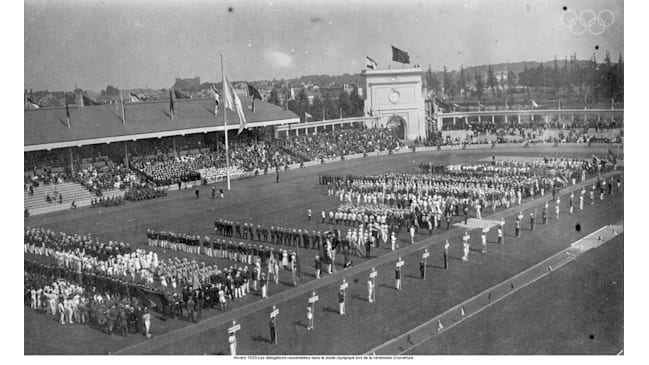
(46, 128)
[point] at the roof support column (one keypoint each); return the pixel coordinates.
(126, 154)
(71, 160)
(173, 144)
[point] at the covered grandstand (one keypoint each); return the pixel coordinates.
(90, 158)
(46, 128)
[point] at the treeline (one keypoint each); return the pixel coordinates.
(346, 105)
(587, 82)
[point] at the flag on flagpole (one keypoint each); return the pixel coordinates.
(307, 116)
(254, 93)
(30, 104)
(400, 56)
(534, 104)
(233, 102)
(370, 63)
(612, 103)
(506, 106)
(341, 113)
(216, 100)
(67, 114)
(89, 101)
(135, 98)
(171, 103)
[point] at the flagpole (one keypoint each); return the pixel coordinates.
(121, 97)
(225, 126)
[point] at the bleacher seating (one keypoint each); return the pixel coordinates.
(37, 202)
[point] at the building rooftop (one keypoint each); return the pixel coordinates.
(46, 128)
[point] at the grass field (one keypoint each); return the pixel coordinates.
(582, 305)
(260, 200)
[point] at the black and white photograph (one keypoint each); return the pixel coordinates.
(322, 180)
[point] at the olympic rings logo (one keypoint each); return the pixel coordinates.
(587, 20)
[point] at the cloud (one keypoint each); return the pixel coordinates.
(278, 58)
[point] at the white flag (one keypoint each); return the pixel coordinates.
(370, 63)
(216, 99)
(233, 102)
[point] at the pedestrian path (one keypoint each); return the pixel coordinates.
(476, 304)
(149, 346)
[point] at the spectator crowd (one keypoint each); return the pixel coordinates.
(342, 142)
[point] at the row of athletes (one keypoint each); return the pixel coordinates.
(45, 241)
(283, 236)
(239, 252)
(396, 192)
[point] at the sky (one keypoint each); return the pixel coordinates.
(146, 43)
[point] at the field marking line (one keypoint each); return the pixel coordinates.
(485, 292)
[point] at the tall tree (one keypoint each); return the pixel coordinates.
(316, 108)
(345, 104)
(479, 85)
(620, 78)
(432, 81)
(462, 82)
(357, 104)
(555, 75)
(511, 81)
(274, 97)
(565, 78)
(539, 79)
(492, 81)
(449, 90)
(302, 100)
(331, 109)
(523, 76)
